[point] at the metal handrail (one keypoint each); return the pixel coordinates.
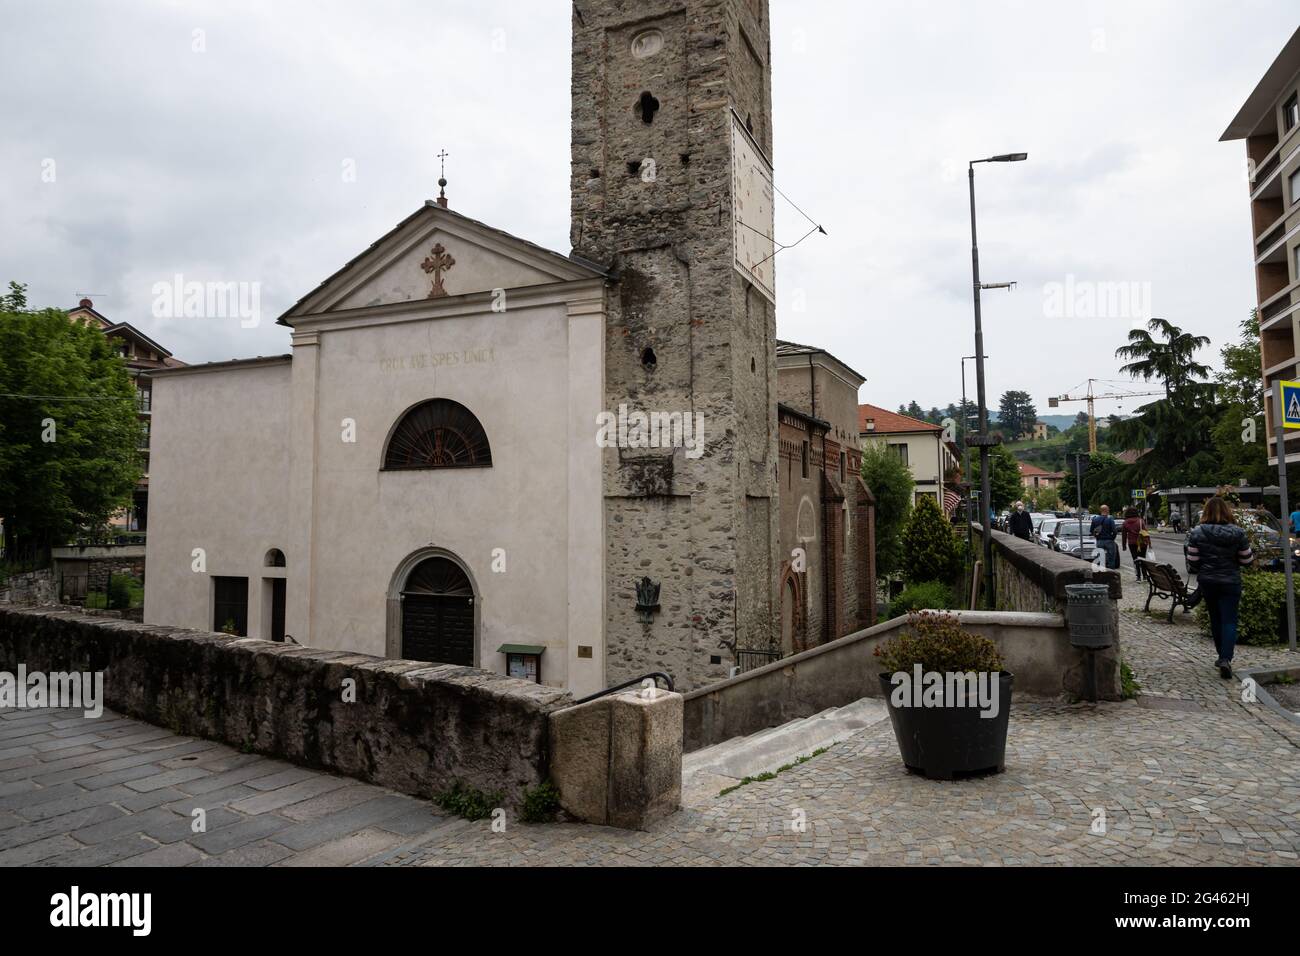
(626, 684)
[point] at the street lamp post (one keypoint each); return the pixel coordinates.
(965, 432)
(985, 440)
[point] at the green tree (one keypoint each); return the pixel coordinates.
(1177, 429)
(1106, 481)
(891, 483)
(1239, 433)
(930, 551)
(15, 300)
(1016, 414)
(68, 428)
(1005, 484)
(1172, 361)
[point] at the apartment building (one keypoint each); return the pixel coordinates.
(920, 445)
(142, 356)
(1269, 122)
(1033, 477)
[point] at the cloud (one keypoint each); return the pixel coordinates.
(209, 140)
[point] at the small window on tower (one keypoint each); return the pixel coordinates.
(648, 358)
(646, 107)
(804, 459)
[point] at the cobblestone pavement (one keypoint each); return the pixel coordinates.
(1188, 774)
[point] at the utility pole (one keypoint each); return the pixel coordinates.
(965, 431)
(984, 439)
(1078, 487)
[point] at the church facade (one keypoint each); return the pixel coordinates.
(484, 453)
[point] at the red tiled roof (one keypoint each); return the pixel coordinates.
(888, 422)
(1033, 471)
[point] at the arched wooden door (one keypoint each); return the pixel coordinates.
(438, 614)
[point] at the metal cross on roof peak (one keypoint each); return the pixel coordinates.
(442, 177)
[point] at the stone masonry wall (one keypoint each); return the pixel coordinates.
(1029, 577)
(413, 727)
(29, 587)
(98, 570)
(685, 332)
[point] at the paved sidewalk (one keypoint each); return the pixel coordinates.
(118, 792)
(1187, 774)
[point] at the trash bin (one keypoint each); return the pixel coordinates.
(1088, 615)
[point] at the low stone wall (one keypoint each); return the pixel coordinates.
(413, 727)
(617, 760)
(1029, 577)
(1034, 646)
(98, 571)
(88, 567)
(29, 587)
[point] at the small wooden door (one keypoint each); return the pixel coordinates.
(438, 614)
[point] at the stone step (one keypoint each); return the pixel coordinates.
(770, 749)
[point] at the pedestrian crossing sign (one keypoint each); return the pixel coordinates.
(1290, 404)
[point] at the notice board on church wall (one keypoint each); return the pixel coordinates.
(752, 210)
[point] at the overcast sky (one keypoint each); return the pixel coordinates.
(220, 155)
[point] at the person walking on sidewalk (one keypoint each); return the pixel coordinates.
(1134, 538)
(1102, 530)
(1021, 524)
(1217, 550)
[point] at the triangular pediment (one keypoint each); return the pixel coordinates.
(434, 254)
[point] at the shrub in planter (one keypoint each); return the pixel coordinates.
(1261, 616)
(925, 596)
(948, 696)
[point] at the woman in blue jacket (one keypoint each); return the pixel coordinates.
(1217, 550)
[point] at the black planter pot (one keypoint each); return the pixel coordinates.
(946, 742)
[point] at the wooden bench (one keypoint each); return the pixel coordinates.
(1166, 584)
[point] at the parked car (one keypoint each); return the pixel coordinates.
(1045, 529)
(1067, 540)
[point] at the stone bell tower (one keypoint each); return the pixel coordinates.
(672, 190)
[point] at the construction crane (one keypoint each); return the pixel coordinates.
(1091, 397)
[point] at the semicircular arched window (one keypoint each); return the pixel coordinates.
(438, 433)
